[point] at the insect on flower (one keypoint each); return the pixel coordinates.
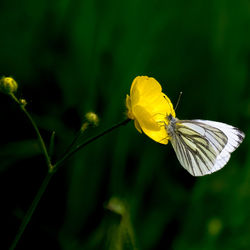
(202, 147)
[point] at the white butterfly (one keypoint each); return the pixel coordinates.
(202, 146)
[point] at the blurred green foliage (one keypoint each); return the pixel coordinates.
(72, 57)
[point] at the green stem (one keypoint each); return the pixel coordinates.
(51, 169)
(40, 139)
(68, 149)
(52, 144)
(78, 147)
(31, 210)
(45, 183)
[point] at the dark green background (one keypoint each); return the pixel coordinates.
(71, 57)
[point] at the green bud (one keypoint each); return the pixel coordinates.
(23, 102)
(92, 118)
(116, 205)
(8, 85)
(84, 126)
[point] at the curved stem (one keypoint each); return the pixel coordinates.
(68, 149)
(78, 147)
(46, 181)
(51, 168)
(31, 210)
(51, 144)
(40, 139)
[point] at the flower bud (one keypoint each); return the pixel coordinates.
(116, 205)
(92, 118)
(8, 85)
(84, 126)
(23, 102)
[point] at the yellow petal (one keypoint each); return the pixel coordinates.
(145, 119)
(128, 102)
(147, 92)
(129, 108)
(160, 136)
(159, 107)
(137, 126)
(144, 87)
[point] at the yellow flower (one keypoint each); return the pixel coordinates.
(149, 107)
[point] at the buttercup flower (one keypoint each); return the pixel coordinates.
(149, 107)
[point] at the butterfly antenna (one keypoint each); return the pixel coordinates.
(179, 98)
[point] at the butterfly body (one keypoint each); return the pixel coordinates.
(171, 127)
(202, 146)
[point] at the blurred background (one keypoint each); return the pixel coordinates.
(124, 191)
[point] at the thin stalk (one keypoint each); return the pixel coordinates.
(68, 149)
(76, 138)
(40, 139)
(45, 183)
(52, 144)
(78, 147)
(32, 208)
(51, 168)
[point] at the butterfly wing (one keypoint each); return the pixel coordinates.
(202, 146)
